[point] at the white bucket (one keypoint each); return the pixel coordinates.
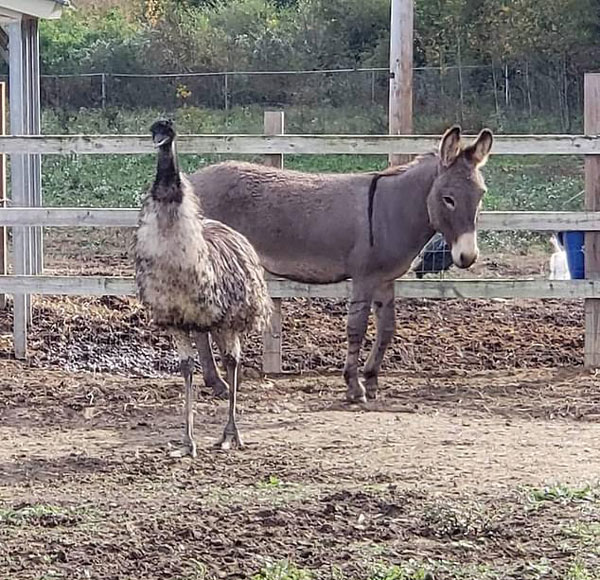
(559, 267)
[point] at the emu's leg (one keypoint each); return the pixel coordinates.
(186, 365)
(212, 378)
(385, 316)
(358, 317)
(231, 350)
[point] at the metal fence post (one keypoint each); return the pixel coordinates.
(3, 236)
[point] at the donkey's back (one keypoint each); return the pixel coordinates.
(289, 215)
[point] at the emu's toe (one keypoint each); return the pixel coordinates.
(189, 449)
(230, 440)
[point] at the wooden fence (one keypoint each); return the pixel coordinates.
(275, 144)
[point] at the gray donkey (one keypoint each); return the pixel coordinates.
(324, 228)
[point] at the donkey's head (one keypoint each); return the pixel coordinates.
(455, 198)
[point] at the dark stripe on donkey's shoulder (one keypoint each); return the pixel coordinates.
(372, 188)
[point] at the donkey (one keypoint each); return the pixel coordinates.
(324, 228)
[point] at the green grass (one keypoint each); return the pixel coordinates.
(586, 534)
(408, 571)
(579, 571)
(515, 182)
(432, 569)
(40, 514)
(272, 482)
(283, 571)
(564, 494)
(442, 520)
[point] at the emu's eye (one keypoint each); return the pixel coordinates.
(449, 201)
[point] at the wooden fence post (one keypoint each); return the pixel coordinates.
(273, 125)
(401, 73)
(592, 203)
(3, 236)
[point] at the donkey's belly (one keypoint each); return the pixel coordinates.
(295, 252)
(305, 271)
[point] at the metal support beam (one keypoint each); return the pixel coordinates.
(3, 232)
(24, 99)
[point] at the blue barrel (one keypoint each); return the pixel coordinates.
(573, 243)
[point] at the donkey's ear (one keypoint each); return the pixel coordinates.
(450, 146)
(479, 151)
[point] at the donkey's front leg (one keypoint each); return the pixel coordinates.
(385, 318)
(358, 318)
(212, 378)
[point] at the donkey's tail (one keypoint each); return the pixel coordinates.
(372, 189)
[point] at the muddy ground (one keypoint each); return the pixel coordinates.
(445, 473)
(478, 461)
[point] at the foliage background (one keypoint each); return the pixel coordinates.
(531, 57)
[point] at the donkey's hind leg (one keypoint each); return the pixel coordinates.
(212, 378)
(358, 318)
(385, 318)
(230, 348)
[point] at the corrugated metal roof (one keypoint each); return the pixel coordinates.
(10, 9)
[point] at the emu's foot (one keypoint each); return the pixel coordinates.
(230, 440)
(219, 388)
(189, 449)
(356, 392)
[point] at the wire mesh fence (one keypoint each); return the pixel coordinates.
(472, 94)
(435, 258)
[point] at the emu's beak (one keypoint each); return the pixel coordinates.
(160, 143)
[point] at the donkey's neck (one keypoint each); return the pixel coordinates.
(402, 212)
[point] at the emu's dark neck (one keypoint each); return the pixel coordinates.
(167, 183)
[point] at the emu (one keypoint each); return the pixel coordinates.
(196, 276)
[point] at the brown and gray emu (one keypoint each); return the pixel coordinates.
(323, 228)
(196, 276)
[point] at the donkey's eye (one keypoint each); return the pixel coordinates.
(449, 201)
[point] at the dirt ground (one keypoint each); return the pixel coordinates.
(478, 461)
(445, 470)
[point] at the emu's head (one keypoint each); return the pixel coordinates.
(163, 132)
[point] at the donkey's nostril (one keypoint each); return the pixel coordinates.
(464, 250)
(466, 259)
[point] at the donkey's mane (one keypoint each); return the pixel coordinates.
(390, 171)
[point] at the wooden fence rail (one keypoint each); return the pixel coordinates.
(532, 221)
(290, 144)
(274, 144)
(281, 288)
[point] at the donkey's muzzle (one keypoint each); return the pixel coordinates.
(464, 250)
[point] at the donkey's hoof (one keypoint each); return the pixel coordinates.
(356, 395)
(220, 389)
(371, 385)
